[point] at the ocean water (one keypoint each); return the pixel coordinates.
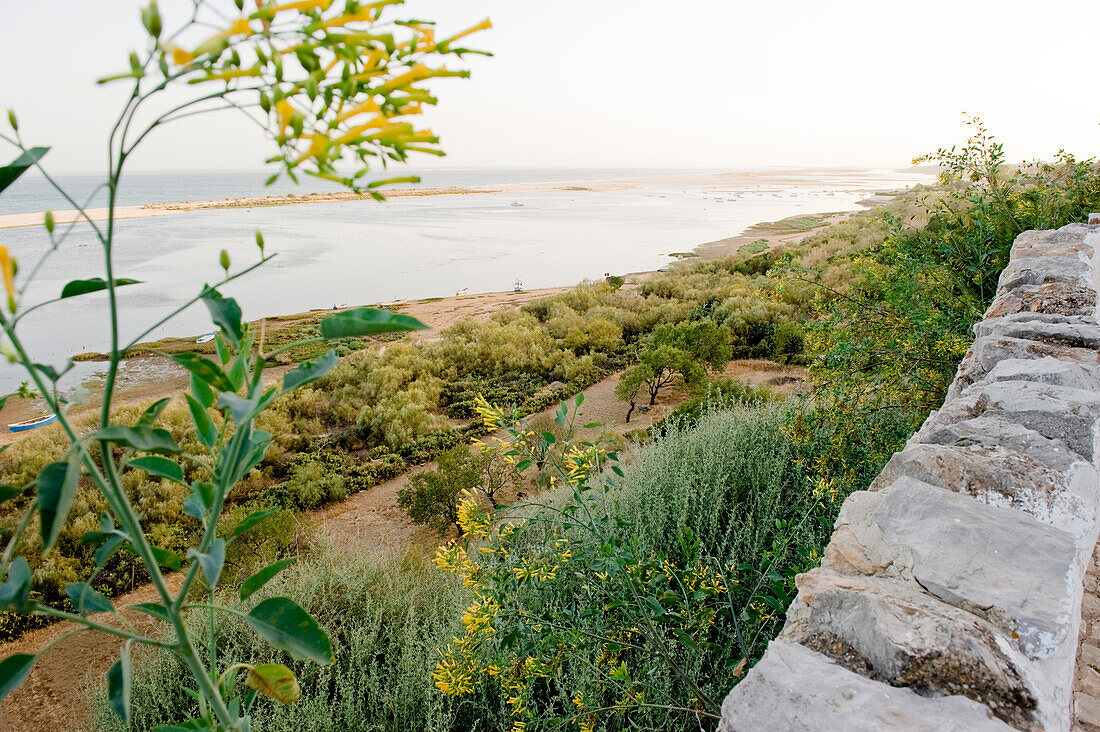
(362, 252)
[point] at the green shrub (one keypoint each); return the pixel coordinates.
(385, 619)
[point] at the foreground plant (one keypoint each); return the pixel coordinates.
(331, 82)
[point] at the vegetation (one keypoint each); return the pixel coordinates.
(344, 92)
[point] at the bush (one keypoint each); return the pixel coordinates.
(658, 590)
(386, 619)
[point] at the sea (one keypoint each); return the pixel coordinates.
(362, 252)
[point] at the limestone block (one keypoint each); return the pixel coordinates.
(996, 562)
(858, 545)
(1059, 412)
(794, 689)
(1002, 477)
(1068, 266)
(989, 350)
(891, 631)
(991, 431)
(1056, 298)
(1072, 332)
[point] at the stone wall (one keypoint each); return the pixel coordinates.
(949, 597)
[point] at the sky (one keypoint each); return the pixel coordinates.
(693, 84)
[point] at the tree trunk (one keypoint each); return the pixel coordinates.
(630, 411)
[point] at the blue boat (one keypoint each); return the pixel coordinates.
(30, 424)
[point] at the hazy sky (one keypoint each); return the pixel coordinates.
(640, 83)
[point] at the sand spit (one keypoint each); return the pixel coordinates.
(855, 179)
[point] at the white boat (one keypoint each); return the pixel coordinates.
(30, 424)
(462, 292)
(516, 203)
(205, 338)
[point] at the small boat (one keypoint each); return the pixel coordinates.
(516, 203)
(205, 338)
(30, 424)
(462, 292)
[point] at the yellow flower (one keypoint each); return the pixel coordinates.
(179, 56)
(7, 267)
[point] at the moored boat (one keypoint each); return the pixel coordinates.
(30, 424)
(205, 338)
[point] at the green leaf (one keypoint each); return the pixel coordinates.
(198, 504)
(579, 400)
(150, 415)
(274, 681)
(118, 686)
(86, 599)
(14, 670)
(211, 562)
(367, 321)
(166, 558)
(11, 172)
(205, 370)
(287, 627)
(146, 439)
(15, 592)
(264, 576)
(204, 426)
(251, 520)
(9, 491)
(56, 486)
(310, 371)
(226, 314)
(202, 392)
(159, 467)
(95, 284)
(154, 609)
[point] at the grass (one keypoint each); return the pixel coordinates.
(385, 619)
(753, 247)
(790, 225)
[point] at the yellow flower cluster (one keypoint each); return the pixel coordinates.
(472, 518)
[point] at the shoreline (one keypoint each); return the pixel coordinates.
(438, 313)
(792, 177)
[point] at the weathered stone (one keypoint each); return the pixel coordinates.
(1056, 298)
(862, 548)
(891, 631)
(1058, 412)
(996, 432)
(1002, 477)
(1071, 332)
(987, 351)
(1069, 267)
(794, 689)
(1046, 370)
(996, 562)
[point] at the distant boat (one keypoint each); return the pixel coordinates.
(30, 424)
(462, 292)
(516, 203)
(205, 338)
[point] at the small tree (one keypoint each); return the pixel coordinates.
(433, 496)
(675, 354)
(498, 472)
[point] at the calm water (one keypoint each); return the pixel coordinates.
(361, 252)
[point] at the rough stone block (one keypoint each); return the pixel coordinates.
(990, 431)
(1002, 477)
(1067, 266)
(1054, 298)
(794, 689)
(989, 350)
(999, 563)
(891, 631)
(1058, 412)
